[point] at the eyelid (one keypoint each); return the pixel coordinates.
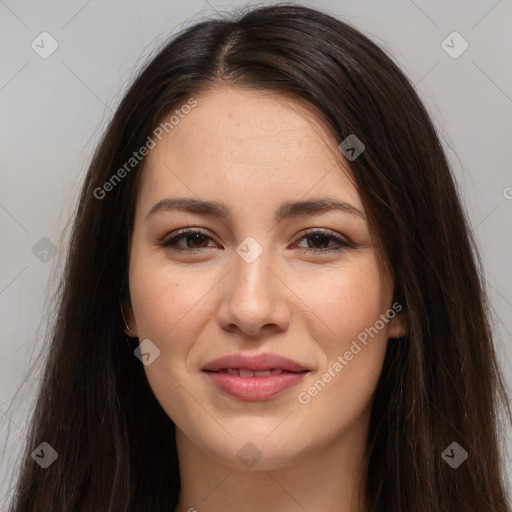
(181, 233)
(343, 243)
(323, 231)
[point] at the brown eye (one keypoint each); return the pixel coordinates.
(194, 240)
(318, 242)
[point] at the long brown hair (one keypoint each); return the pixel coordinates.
(439, 385)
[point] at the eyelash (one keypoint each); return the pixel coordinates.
(182, 233)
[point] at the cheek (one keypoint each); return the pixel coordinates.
(168, 311)
(354, 350)
(351, 303)
(165, 299)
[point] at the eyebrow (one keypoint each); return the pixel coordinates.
(287, 210)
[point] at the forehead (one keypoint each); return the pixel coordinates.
(246, 146)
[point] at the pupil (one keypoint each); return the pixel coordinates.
(316, 237)
(195, 237)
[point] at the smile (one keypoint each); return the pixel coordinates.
(254, 378)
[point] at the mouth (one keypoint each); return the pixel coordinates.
(246, 373)
(255, 378)
(254, 363)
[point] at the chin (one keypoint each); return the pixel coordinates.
(258, 451)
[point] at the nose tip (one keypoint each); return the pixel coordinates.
(254, 297)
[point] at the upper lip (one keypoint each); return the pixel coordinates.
(260, 362)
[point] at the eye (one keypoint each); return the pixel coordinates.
(322, 237)
(195, 240)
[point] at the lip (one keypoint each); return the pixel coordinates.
(259, 362)
(255, 388)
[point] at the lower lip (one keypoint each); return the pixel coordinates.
(254, 389)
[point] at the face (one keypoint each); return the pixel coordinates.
(243, 282)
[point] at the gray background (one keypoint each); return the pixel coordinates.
(54, 110)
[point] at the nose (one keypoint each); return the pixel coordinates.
(254, 299)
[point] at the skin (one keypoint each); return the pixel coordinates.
(253, 151)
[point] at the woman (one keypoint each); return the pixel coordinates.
(212, 351)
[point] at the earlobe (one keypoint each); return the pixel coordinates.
(130, 327)
(398, 326)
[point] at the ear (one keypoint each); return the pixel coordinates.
(130, 326)
(397, 327)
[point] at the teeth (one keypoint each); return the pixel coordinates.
(263, 373)
(244, 373)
